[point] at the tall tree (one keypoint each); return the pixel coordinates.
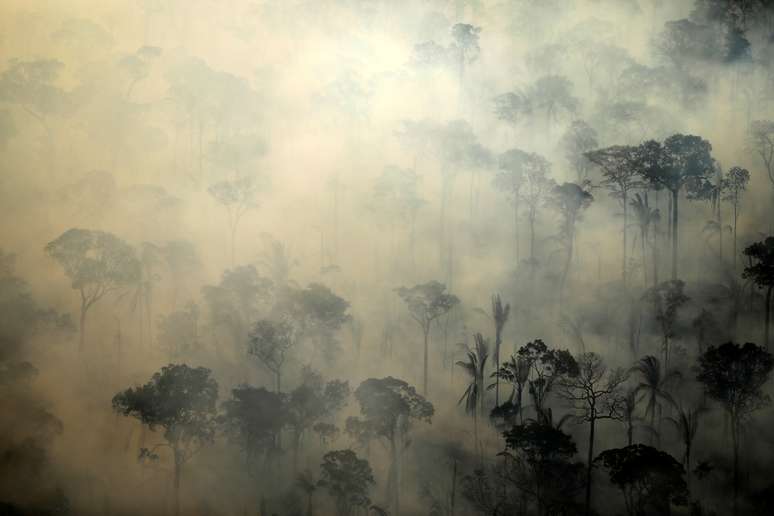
(237, 196)
(687, 425)
(97, 263)
(734, 376)
(595, 395)
(735, 183)
(426, 302)
(269, 341)
(500, 315)
(570, 200)
(654, 385)
(620, 176)
(761, 271)
(547, 366)
(474, 393)
(762, 141)
(681, 162)
(515, 371)
(579, 139)
(647, 220)
(390, 405)
(181, 400)
(667, 299)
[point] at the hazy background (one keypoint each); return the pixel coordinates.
(148, 103)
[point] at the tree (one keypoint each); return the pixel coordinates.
(595, 395)
(390, 405)
(32, 85)
(570, 200)
(620, 176)
(654, 386)
(647, 218)
(547, 366)
(465, 45)
(318, 313)
(514, 371)
(579, 139)
(761, 272)
(178, 332)
(667, 298)
(237, 196)
(735, 184)
(426, 302)
(553, 95)
(270, 341)
(312, 401)
(347, 479)
(181, 400)
(540, 460)
(97, 263)
(537, 190)
(306, 483)
(650, 480)
(253, 419)
(500, 317)
(474, 393)
(762, 141)
(734, 376)
(687, 425)
(681, 162)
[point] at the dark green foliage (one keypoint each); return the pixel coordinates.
(383, 401)
(347, 479)
(179, 399)
(649, 479)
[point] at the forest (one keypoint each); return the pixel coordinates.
(386, 257)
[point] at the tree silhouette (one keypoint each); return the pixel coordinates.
(734, 375)
(667, 298)
(311, 402)
(514, 371)
(620, 176)
(650, 480)
(547, 366)
(270, 341)
(654, 386)
(735, 183)
(647, 219)
(761, 272)
(97, 264)
(427, 302)
(570, 200)
(237, 196)
(687, 425)
(762, 141)
(181, 400)
(500, 317)
(681, 162)
(253, 419)
(539, 456)
(347, 479)
(474, 393)
(389, 405)
(306, 483)
(465, 45)
(595, 395)
(579, 139)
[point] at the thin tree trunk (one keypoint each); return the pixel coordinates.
(424, 375)
(178, 467)
(735, 218)
(675, 200)
(82, 335)
(590, 463)
(735, 439)
(453, 488)
(767, 317)
(625, 225)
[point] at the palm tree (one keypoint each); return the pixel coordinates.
(500, 316)
(474, 394)
(645, 218)
(516, 372)
(654, 387)
(687, 424)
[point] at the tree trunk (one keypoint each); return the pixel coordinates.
(532, 238)
(178, 467)
(82, 333)
(424, 374)
(675, 200)
(625, 224)
(735, 439)
(767, 317)
(735, 217)
(516, 230)
(590, 465)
